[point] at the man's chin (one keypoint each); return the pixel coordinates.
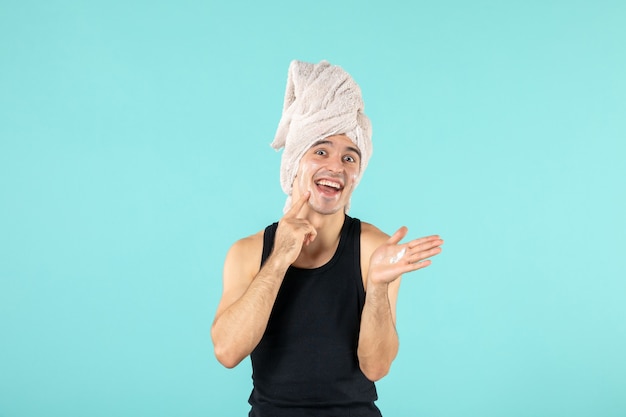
(327, 209)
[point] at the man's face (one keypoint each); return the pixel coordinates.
(328, 170)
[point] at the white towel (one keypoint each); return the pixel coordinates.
(321, 100)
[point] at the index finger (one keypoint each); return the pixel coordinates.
(425, 239)
(297, 206)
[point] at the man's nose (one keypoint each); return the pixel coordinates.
(335, 163)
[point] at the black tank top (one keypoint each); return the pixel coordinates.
(306, 363)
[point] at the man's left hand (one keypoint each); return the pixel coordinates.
(392, 259)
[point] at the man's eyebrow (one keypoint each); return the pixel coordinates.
(321, 142)
(328, 142)
(355, 150)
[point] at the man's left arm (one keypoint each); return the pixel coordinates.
(389, 260)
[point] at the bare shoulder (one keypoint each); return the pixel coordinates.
(246, 253)
(371, 238)
(240, 267)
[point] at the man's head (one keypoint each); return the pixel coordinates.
(321, 101)
(329, 171)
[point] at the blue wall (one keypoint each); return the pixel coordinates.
(134, 149)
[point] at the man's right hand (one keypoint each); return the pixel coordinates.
(293, 232)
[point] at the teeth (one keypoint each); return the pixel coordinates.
(329, 184)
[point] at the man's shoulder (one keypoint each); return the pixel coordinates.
(244, 257)
(371, 237)
(249, 244)
(369, 231)
(249, 247)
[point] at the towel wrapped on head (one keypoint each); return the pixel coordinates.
(321, 100)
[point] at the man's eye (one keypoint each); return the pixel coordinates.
(348, 158)
(320, 152)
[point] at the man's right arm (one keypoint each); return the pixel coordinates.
(246, 303)
(249, 293)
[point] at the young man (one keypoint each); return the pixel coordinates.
(312, 298)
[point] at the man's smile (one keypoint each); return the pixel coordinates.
(328, 183)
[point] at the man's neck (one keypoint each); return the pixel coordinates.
(321, 250)
(325, 223)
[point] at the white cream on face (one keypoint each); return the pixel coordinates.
(398, 256)
(355, 177)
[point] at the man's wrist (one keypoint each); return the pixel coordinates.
(376, 287)
(278, 263)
